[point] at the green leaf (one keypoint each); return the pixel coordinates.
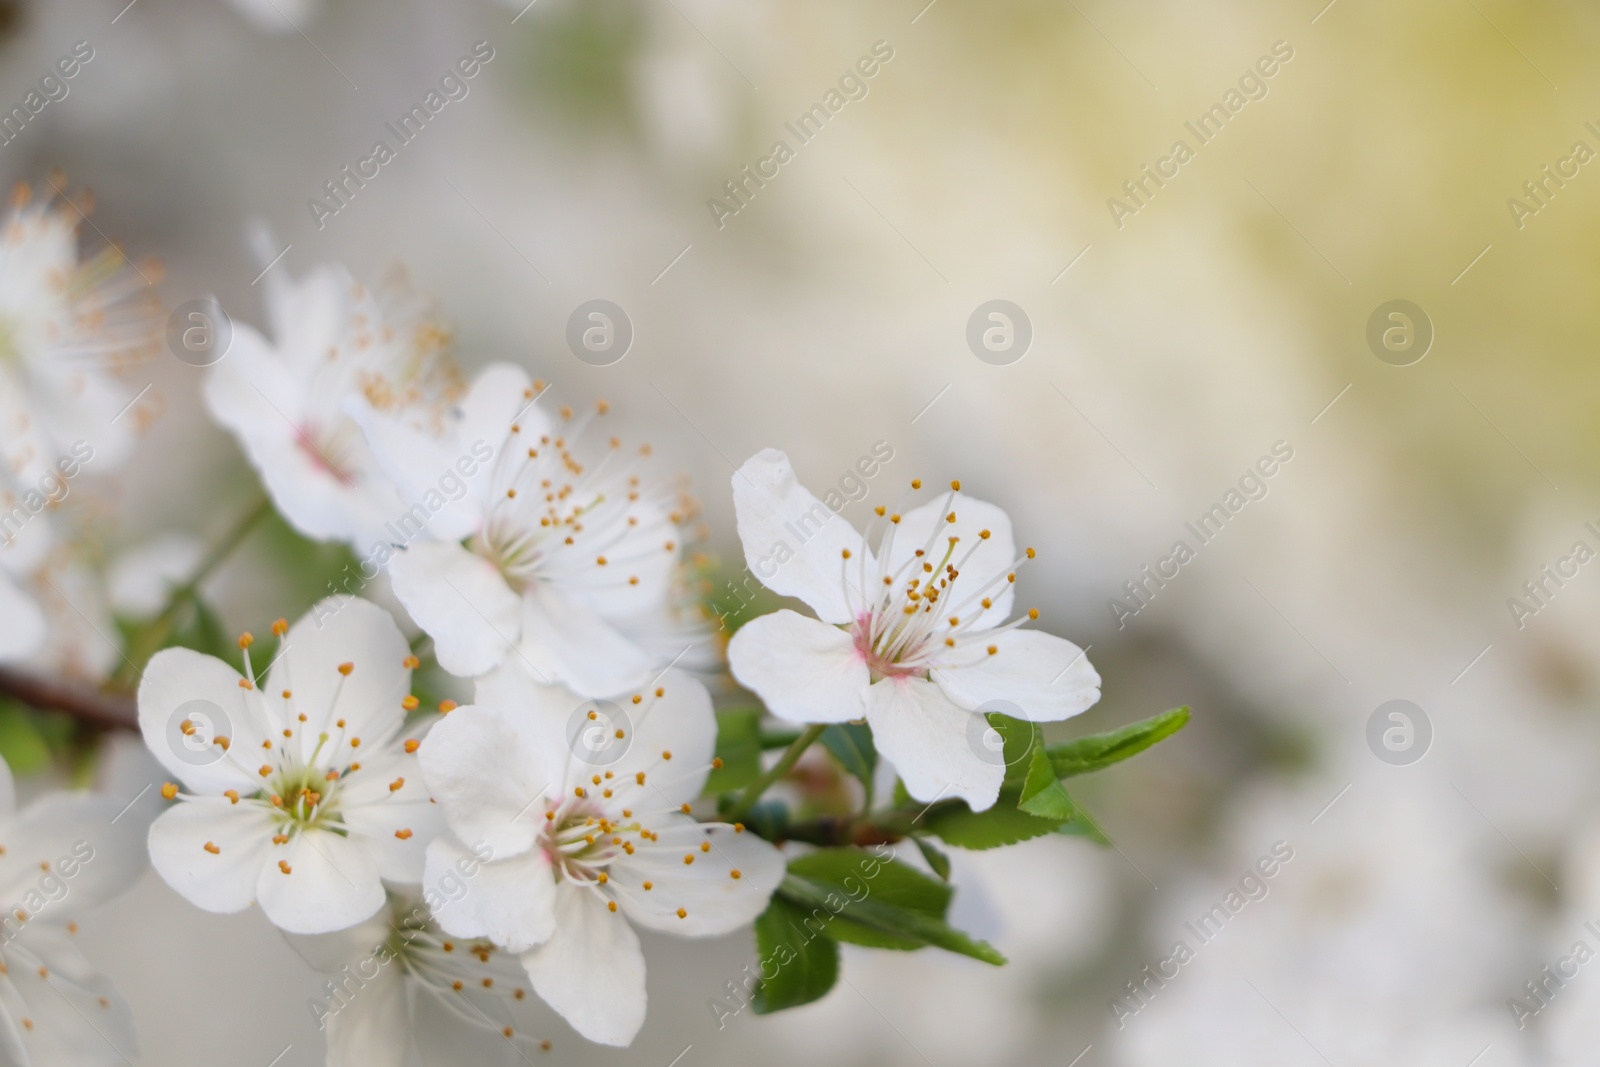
(936, 859)
(1004, 824)
(1083, 826)
(1042, 795)
(855, 896)
(852, 873)
(1020, 738)
(851, 744)
(805, 966)
(739, 748)
(1097, 751)
(21, 743)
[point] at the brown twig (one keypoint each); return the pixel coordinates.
(107, 711)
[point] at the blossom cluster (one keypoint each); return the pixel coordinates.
(444, 861)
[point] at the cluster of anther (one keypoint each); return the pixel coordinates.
(302, 792)
(548, 501)
(906, 627)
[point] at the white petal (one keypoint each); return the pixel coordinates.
(487, 770)
(336, 632)
(804, 670)
(639, 564)
(511, 902)
(927, 738)
(1035, 675)
(224, 881)
(461, 601)
(418, 462)
(25, 628)
(436, 502)
(447, 1027)
(371, 1028)
(591, 970)
(983, 573)
(254, 395)
(714, 902)
(373, 808)
(681, 722)
(779, 519)
(72, 835)
(568, 642)
(332, 883)
(78, 1016)
(181, 685)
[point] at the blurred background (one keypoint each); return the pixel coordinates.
(1180, 329)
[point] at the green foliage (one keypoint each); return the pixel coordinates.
(739, 748)
(804, 965)
(936, 859)
(22, 743)
(1097, 751)
(1033, 802)
(851, 894)
(851, 744)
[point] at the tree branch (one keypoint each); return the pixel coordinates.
(108, 711)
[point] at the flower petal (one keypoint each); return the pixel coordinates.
(255, 396)
(1040, 677)
(792, 541)
(183, 686)
(511, 902)
(223, 881)
(926, 737)
(340, 634)
(487, 770)
(461, 601)
(70, 834)
(591, 970)
(982, 573)
(77, 1015)
(384, 800)
(372, 1028)
(681, 722)
(804, 670)
(714, 902)
(331, 882)
(567, 641)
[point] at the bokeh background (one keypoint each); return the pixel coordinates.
(1169, 352)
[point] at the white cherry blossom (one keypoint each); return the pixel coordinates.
(287, 400)
(312, 797)
(583, 851)
(59, 857)
(398, 983)
(912, 637)
(69, 326)
(563, 553)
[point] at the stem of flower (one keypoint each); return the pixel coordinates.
(154, 634)
(84, 703)
(785, 764)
